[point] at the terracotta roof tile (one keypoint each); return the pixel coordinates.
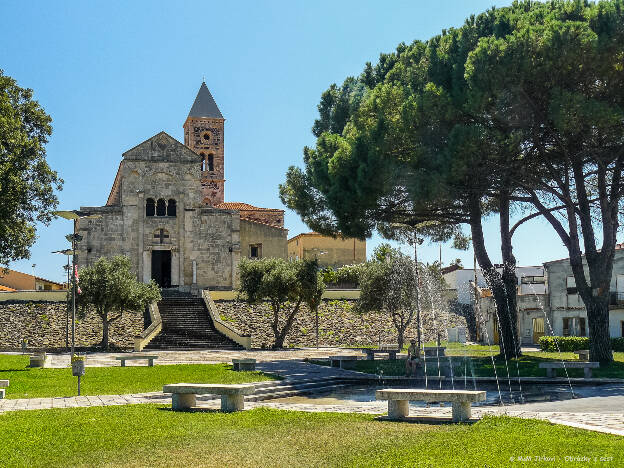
(243, 206)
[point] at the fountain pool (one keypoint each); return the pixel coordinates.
(358, 394)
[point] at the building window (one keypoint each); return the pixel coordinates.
(574, 326)
(571, 285)
(203, 163)
(161, 207)
(150, 207)
(171, 207)
(211, 162)
(255, 251)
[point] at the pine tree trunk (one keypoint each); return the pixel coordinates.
(599, 337)
(504, 292)
(503, 285)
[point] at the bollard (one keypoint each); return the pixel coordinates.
(78, 368)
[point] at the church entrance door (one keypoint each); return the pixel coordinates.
(161, 267)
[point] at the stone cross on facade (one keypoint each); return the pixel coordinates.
(161, 236)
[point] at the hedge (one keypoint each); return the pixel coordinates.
(572, 343)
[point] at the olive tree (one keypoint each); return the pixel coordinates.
(111, 288)
(285, 285)
(390, 286)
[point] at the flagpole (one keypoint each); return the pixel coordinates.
(74, 291)
(74, 215)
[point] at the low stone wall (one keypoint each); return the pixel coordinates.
(339, 324)
(43, 325)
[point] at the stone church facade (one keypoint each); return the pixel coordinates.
(166, 211)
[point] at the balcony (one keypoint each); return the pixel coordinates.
(616, 298)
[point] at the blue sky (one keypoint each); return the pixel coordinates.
(112, 74)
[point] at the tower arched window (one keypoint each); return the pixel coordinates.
(150, 207)
(203, 163)
(171, 207)
(211, 162)
(161, 207)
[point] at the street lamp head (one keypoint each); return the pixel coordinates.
(73, 237)
(75, 214)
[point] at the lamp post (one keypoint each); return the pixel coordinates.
(67, 268)
(317, 252)
(74, 238)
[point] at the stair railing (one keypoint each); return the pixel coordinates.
(222, 327)
(142, 340)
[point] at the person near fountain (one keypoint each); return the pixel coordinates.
(413, 359)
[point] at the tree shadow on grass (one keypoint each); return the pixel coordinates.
(196, 409)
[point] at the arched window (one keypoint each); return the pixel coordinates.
(150, 207)
(211, 162)
(161, 207)
(171, 207)
(203, 163)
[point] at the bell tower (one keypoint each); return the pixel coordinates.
(203, 133)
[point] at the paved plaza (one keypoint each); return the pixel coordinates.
(593, 409)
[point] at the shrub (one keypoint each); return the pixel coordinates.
(350, 274)
(617, 344)
(565, 343)
(572, 343)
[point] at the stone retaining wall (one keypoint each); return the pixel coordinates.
(339, 325)
(43, 325)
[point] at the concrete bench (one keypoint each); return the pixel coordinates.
(434, 351)
(389, 347)
(3, 383)
(37, 360)
(123, 359)
(247, 364)
(583, 354)
(344, 362)
(586, 366)
(399, 398)
(184, 395)
(370, 353)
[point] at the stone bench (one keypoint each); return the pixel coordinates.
(184, 395)
(389, 347)
(123, 359)
(247, 364)
(344, 362)
(434, 351)
(370, 353)
(399, 398)
(3, 383)
(583, 354)
(37, 360)
(586, 366)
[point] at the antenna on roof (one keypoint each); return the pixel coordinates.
(203, 78)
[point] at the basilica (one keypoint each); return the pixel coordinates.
(166, 210)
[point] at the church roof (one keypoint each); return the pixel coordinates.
(242, 206)
(205, 105)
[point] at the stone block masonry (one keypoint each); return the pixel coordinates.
(339, 325)
(43, 325)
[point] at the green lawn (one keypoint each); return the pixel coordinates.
(479, 357)
(151, 435)
(37, 382)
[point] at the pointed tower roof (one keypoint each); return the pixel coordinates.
(205, 105)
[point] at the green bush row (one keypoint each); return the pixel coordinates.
(572, 343)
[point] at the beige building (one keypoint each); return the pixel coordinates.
(329, 251)
(11, 280)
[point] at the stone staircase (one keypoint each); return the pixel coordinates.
(186, 325)
(272, 390)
